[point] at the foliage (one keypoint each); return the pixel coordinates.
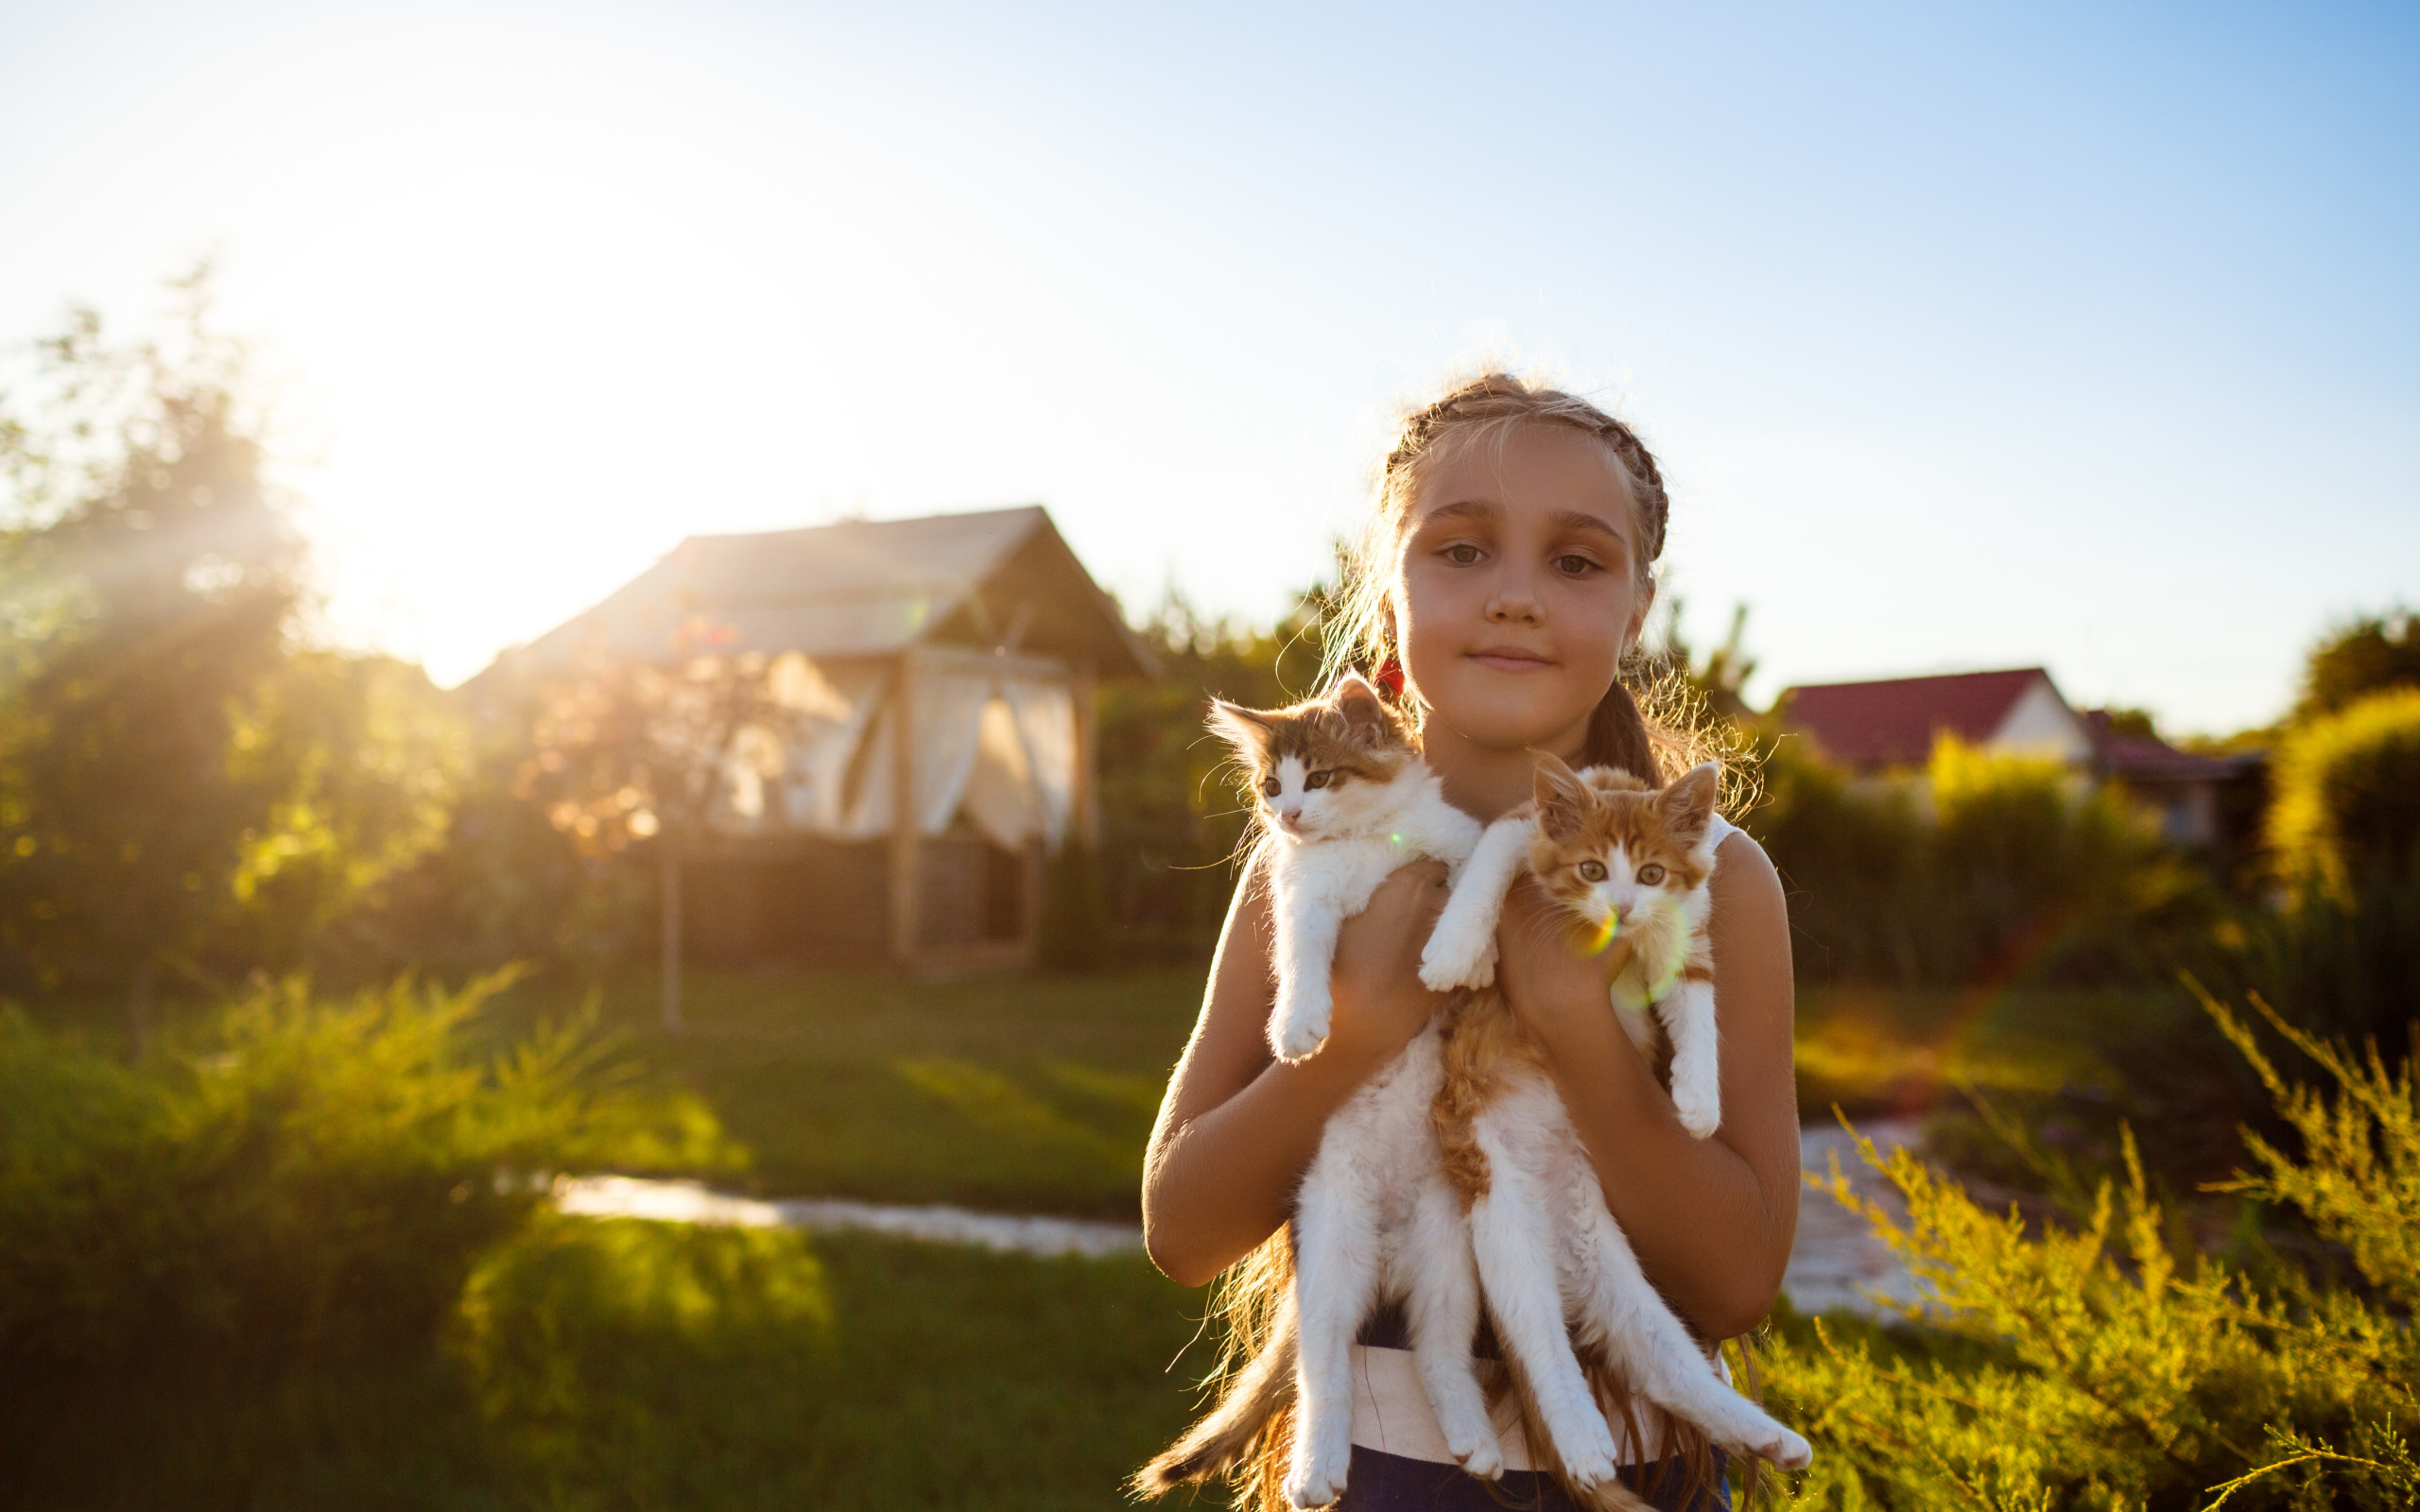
(2371, 654)
(2348, 793)
(367, 760)
(2100, 1365)
(621, 1364)
(626, 748)
(150, 575)
(1995, 868)
(1171, 823)
(300, 1181)
(635, 1364)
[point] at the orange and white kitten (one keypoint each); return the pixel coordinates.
(1631, 864)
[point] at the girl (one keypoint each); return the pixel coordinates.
(1507, 574)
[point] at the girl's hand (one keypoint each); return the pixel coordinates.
(1379, 1001)
(1552, 979)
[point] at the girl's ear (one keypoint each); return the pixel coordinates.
(1560, 797)
(1247, 730)
(1689, 803)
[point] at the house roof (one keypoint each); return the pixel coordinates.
(859, 588)
(1894, 722)
(2148, 759)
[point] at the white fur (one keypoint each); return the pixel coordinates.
(1374, 1217)
(1549, 1252)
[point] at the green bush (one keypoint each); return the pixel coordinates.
(2348, 795)
(2104, 1365)
(300, 1181)
(1993, 869)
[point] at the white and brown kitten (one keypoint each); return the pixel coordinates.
(1632, 865)
(1344, 799)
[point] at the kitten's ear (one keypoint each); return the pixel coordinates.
(1247, 730)
(1688, 804)
(1366, 721)
(1562, 797)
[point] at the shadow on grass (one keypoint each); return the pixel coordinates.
(624, 1365)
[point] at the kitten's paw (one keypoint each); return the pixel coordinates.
(1297, 1040)
(1448, 962)
(1484, 1460)
(1701, 1116)
(1790, 1451)
(1595, 1463)
(1300, 1024)
(1317, 1480)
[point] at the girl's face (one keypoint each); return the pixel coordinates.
(1518, 592)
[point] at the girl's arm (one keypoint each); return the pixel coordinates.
(1238, 1126)
(1711, 1219)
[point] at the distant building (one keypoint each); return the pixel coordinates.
(2204, 802)
(1872, 728)
(2210, 804)
(941, 673)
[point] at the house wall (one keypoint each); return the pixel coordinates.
(2041, 725)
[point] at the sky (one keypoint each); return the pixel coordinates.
(1969, 336)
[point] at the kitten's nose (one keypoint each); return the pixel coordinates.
(1290, 817)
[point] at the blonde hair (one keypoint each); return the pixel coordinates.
(1359, 627)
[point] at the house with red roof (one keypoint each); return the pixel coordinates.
(1874, 728)
(1889, 725)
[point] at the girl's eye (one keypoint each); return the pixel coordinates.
(1574, 566)
(1592, 870)
(1269, 788)
(1316, 781)
(1461, 553)
(1650, 874)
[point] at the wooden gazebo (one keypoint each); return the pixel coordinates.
(941, 677)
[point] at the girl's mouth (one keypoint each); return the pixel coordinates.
(1508, 658)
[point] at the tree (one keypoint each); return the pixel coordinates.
(150, 576)
(2371, 654)
(629, 752)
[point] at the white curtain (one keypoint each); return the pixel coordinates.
(1046, 722)
(1001, 749)
(829, 723)
(1000, 796)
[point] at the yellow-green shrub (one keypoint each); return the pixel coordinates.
(302, 1180)
(2102, 1366)
(2348, 793)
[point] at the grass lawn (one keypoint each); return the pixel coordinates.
(639, 1365)
(1036, 1093)
(1030, 1093)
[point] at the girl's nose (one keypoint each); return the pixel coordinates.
(1513, 605)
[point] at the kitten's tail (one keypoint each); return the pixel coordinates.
(1225, 1438)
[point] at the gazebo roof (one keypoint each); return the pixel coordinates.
(998, 579)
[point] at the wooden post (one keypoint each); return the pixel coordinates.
(671, 891)
(1086, 809)
(906, 843)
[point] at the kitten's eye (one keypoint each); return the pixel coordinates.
(1269, 788)
(1650, 874)
(1592, 870)
(1316, 781)
(1461, 555)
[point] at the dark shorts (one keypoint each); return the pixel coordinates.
(1389, 1483)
